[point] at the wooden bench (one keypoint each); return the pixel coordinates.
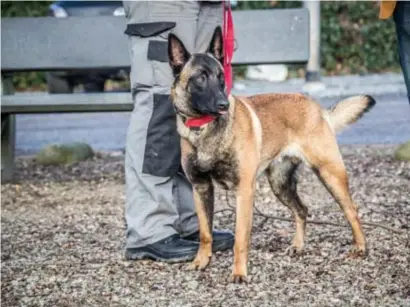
(92, 43)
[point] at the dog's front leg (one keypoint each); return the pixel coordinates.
(244, 215)
(204, 205)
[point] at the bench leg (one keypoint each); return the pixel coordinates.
(8, 137)
(313, 65)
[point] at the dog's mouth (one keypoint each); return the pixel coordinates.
(206, 112)
(199, 112)
(220, 113)
(215, 109)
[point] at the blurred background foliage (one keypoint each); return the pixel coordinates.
(353, 39)
(24, 8)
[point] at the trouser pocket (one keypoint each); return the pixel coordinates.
(150, 53)
(162, 156)
(151, 73)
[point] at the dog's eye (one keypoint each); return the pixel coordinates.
(200, 79)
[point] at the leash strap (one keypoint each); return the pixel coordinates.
(228, 41)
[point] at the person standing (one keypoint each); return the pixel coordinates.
(400, 10)
(161, 222)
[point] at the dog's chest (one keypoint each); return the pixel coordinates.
(222, 167)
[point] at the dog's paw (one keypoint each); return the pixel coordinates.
(239, 274)
(293, 251)
(357, 251)
(238, 278)
(200, 262)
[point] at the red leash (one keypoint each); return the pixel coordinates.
(228, 42)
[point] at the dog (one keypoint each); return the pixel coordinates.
(232, 140)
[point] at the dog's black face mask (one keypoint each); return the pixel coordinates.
(207, 86)
(199, 86)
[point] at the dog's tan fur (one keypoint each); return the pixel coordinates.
(265, 134)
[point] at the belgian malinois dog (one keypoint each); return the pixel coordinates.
(232, 140)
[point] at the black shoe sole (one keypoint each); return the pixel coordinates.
(151, 256)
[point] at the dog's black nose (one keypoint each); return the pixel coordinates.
(223, 105)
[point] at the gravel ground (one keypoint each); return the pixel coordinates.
(62, 232)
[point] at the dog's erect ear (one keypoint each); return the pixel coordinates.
(216, 45)
(177, 54)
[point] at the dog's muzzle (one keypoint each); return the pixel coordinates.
(223, 106)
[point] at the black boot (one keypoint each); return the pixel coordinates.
(171, 249)
(221, 240)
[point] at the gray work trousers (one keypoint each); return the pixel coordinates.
(159, 200)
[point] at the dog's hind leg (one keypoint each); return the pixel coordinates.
(330, 169)
(334, 177)
(204, 205)
(281, 177)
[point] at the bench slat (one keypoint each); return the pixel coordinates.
(48, 43)
(279, 36)
(57, 103)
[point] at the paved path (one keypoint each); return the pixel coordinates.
(387, 123)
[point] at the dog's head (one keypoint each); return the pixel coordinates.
(199, 85)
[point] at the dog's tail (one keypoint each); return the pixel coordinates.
(348, 111)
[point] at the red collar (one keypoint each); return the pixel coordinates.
(197, 122)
